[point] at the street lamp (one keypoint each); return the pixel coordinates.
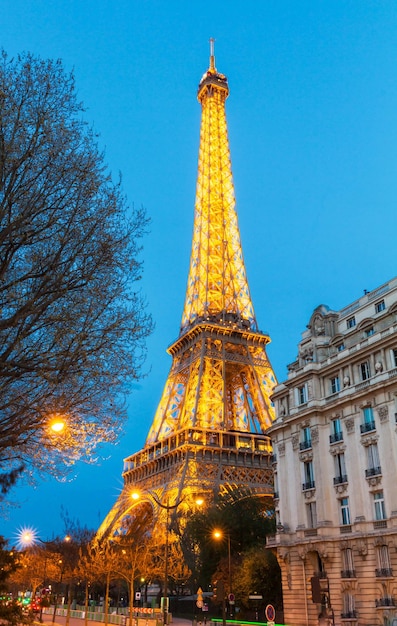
(28, 538)
(167, 507)
(219, 535)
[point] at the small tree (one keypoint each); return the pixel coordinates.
(10, 611)
(72, 324)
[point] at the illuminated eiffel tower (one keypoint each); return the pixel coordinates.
(208, 433)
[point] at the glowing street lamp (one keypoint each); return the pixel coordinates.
(219, 536)
(135, 495)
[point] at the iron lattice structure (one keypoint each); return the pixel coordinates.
(208, 433)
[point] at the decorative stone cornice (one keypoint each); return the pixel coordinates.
(337, 449)
(341, 488)
(369, 439)
(295, 442)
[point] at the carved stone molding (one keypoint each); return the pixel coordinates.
(383, 412)
(337, 449)
(341, 488)
(295, 441)
(306, 455)
(281, 449)
(369, 440)
(349, 423)
(374, 481)
(314, 434)
(309, 493)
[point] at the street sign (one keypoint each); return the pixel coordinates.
(270, 613)
(205, 607)
(255, 596)
(231, 598)
(137, 595)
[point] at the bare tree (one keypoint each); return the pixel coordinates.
(72, 323)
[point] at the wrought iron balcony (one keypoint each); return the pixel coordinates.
(367, 427)
(305, 445)
(349, 615)
(336, 437)
(386, 601)
(373, 471)
(348, 573)
(384, 572)
(339, 480)
(308, 485)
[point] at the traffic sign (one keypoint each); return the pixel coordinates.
(231, 598)
(270, 613)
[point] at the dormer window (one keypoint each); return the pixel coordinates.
(380, 306)
(351, 322)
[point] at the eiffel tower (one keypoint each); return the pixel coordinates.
(208, 433)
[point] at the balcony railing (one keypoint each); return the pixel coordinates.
(384, 572)
(348, 573)
(387, 601)
(308, 485)
(349, 615)
(339, 480)
(373, 471)
(367, 427)
(305, 445)
(336, 437)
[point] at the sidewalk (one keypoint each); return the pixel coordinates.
(76, 621)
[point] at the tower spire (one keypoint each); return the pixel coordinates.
(212, 55)
(217, 287)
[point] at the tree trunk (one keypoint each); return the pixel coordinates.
(106, 607)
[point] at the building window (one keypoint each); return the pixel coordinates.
(302, 394)
(335, 384)
(368, 420)
(341, 347)
(336, 431)
(306, 439)
(347, 563)
(379, 505)
(344, 511)
(340, 469)
(384, 566)
(308, 475)
(311, 511)
(380, 306)
(374, 468)
(369, 331)
(394, 357)
(348, 606)
(351, 322)
(365, 371)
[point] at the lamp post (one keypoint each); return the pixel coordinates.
(168, 507)
(219, 535)
(28, 538)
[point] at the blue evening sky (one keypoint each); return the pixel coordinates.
(312, 118)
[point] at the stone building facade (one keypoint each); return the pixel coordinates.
(335, 467)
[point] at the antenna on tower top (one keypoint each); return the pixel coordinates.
(212, 55)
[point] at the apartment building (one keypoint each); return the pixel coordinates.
(335, 467)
